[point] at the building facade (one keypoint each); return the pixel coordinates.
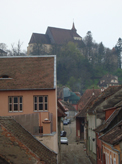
(28, 86)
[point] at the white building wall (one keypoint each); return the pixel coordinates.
(91, 133)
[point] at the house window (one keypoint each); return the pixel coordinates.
(15, 103)
(111, 162)
(40, 103)
(107, 158)
(114, 160)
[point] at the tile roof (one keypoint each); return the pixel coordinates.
(67, 106)
(36, 72)
(85, 108)
(101, 102)
(106, 79)
(106, 124)
(3, 161)
(40, 38)
(61, 109)
(109, 77)
(86, 96)
(13, 133)
(114, 135)
(57, 36)
(62, 36)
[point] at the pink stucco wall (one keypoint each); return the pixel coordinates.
(28, 105)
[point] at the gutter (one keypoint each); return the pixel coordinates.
(28, 89)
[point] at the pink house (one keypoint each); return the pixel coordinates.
(28, 86)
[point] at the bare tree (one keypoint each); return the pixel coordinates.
(3, 46)
(16, 51)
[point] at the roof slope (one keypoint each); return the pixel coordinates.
(112, 100)
(61, 109)
(106, 124)
(28, 73)
(85, 108)
(100, 103)
(108, 79)
(23, 137)
(62, 36)
(58, 36)
(86, 96)
(39, 38)
(67, 106)
(114, 135)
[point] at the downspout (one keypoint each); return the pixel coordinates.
(117, 151)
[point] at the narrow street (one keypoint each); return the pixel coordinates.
(73, 153)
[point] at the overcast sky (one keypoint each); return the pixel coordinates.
(20, 18)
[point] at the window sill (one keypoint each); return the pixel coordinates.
(15, 111)
(41, 111)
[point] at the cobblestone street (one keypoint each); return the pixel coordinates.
(73, 153)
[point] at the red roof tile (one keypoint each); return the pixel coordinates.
(114, 135)
(27, 73)
(112, 117)
(111, 90)
(85, 108)
(67, 106)
(19, 141)
(61, 109)
(86, 96)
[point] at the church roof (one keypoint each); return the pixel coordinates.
(62, 36)
(58, 36)
(39, 38)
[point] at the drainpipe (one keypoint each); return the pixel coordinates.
(117, 151)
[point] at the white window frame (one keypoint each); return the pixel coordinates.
(37, 103)
(114, 160)
(111, 160)
(12, 103)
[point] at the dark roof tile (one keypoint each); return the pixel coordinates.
(67, 106)
(40, 39)
(114, 135)
(85, 108)
(102, 127)
(27, 73)
(62, 36)
(111, 90)
(86, 96)
(23, 136)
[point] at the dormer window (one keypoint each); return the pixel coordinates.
(5, 77)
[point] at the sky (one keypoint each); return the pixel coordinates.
(20, 18)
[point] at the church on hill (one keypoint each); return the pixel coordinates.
(53, 37)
